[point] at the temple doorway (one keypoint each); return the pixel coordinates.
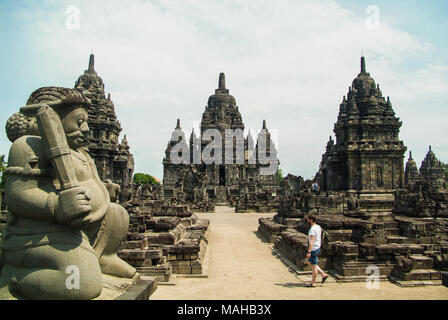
(222, 176)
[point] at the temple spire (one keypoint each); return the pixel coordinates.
(91, 63)
(363, 65)
(410, 155)
(222, 81)
(178, 124)
(264, 124)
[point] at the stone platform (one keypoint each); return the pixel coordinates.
(138, 288)
(114, 288)
(407, 251)
(141, 290)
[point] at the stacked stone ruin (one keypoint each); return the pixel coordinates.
(164, 238)
(374, 213)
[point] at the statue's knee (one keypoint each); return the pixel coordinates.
(118, 213)
(83, 278)
(90, 285)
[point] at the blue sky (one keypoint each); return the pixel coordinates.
(289, 62)
(424, 19)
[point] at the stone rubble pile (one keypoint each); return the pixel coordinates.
(165, 239)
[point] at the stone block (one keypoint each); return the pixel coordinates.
(171, 257)
(367, 248)
(445, 279)
(184, 263)
(184, 270)
(142, 290)
(136, 255)
(196, 270)
(422, 262)
(139, 263)
(153, 254)
(435, 275)
(175, 249)
(190, 249)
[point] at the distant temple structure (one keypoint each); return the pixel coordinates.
(367, 154)
(430, 175)
(112, 158)
(221, 182)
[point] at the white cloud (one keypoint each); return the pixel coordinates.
(289, 62)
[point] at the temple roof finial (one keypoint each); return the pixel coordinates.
(91, 62)
(222, 81)
(363, 65)
(430, 149)
(178, 124)
(410, 155)
(264, 124)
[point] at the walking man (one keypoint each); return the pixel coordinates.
(314, 240)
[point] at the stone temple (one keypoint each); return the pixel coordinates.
(113, 159)
(374, 211)
(367, 156)
(195, 179)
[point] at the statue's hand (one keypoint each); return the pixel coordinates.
(73, 207)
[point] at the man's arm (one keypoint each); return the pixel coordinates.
(311, 243)
(310, 246)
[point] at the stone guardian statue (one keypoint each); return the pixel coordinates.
(60, 217)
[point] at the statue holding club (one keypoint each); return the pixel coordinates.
(60, 216)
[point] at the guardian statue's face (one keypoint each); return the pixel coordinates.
(75, 127)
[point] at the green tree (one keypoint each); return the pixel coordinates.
(280, 175)
(143, 178)
(3, 165)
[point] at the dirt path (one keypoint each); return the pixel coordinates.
(241, 266)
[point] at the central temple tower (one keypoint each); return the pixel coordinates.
(223, 180)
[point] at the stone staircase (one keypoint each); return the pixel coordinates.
(221, 195)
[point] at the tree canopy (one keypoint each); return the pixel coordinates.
(143, 178)
(3, 165)
(280, 175)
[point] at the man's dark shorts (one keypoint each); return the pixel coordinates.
(313, 258)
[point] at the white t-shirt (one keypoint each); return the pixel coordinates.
(315, 231)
